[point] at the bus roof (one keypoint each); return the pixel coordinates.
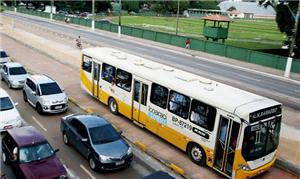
(225, 97)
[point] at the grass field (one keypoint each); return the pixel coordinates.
(252, 34)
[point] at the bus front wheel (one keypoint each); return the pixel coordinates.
(197, 154)
(113, 106)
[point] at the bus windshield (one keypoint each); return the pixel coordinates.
(261, 139)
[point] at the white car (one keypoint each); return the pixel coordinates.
(14, 74)
(3, 57)
(44, 94)
(9, 115)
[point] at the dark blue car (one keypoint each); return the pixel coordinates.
(97, 140)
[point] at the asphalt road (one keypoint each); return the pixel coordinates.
(76, 165)
(284, 91)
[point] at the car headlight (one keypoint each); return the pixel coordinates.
(66, 99)
(46, 102)
(129, 151)
(104, 158)
(244, 167)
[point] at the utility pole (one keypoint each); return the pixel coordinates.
(51, 13)
(119, 27)
(177, 17)
(93, 12)
(291, 52)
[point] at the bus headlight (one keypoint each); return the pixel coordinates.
(244, 167)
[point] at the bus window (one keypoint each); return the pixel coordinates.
(124, 80)
(144, 94)
(179, 104)
(159, 95)
(108, 73)
(87, 64)
(203, 115)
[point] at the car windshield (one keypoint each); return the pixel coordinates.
(103, 134)
(5, 104)
(3, 54)
(35, 152)
(17, 71)
(50, 88)
(261, 139)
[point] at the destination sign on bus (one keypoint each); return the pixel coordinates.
(264, 113)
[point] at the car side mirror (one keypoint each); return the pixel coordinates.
(33, 93)
(84, 140)
(56, 150)
(120, 132)
(63, 89)
(5, 73)
(16, 104)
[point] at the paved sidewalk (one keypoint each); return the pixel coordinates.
(288, 150)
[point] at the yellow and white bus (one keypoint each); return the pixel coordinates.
(233, 131)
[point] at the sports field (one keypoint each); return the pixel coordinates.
(248, 33)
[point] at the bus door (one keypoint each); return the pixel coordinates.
(96, 78)
(226, 144)
(140, 96)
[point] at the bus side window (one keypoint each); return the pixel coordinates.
(108, 73)
(124, 80)
(179, 104)
(87, 64)
(203, 115)
(159, 95)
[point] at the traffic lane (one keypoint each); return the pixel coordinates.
(62, 72)
(49, 126)
(279, 86)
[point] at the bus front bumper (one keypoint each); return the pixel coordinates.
(252, 173)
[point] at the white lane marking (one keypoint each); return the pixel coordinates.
(87, 171)
(206, 66)
(247, 77)
(39, 123)
(69, 172)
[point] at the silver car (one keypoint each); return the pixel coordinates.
(14, 74)
(44, 94)
(3, 57)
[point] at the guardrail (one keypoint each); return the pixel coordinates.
(238, 53)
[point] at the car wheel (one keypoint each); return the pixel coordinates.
(92, 163)
(197, 154)
(66, 139)
(4, 158)
(113, 106)
(39, 108)
(9, 85)
(25, 96)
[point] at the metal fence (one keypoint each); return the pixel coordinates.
(238, 53)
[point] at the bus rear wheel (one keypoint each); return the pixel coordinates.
(197, 154)
(113, 106)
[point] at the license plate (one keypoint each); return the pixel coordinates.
(120, 163)
(57, 107)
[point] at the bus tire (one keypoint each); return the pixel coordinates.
(196, 154)
(113, 106)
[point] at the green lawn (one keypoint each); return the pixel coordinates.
(253, 34)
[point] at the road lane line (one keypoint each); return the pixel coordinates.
(39, 123)
(247, 77)
(206, 66)
(87, 171)
(69, 172)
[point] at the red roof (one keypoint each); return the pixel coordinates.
(217, 18)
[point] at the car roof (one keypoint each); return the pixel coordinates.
(41, 79)
(26, 135)
(13, 64)
(92, 120)
(3, 93)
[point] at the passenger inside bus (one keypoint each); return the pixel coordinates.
(198, 115)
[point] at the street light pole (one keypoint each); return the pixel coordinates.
(177, 17)
(119, 27)
(291, 52)
(93, 12)
(51, 14)
(15, 6)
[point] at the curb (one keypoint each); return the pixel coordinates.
(287, 166)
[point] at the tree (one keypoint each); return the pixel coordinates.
(232, 8)
(131, 6)
(213, 4)
(285, 12)
(170, 6)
